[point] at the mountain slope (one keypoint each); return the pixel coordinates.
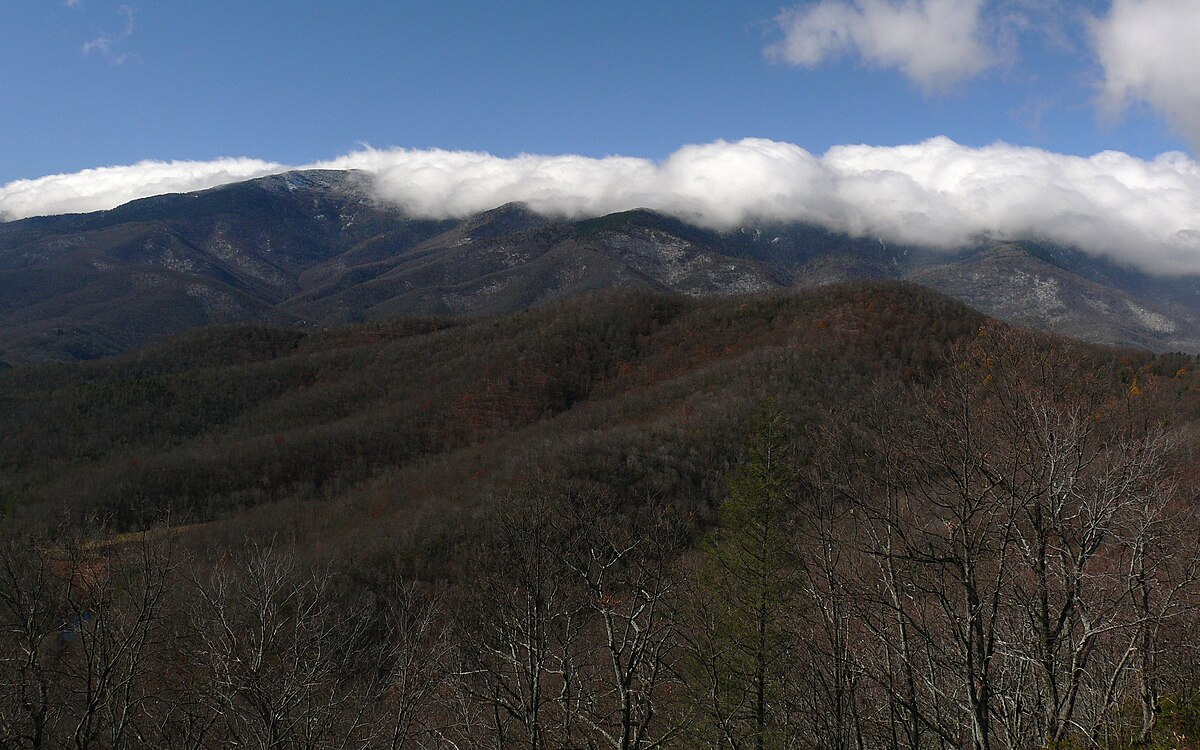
(315, 249)
(217, 420)
(87, 285)
(1013, 283)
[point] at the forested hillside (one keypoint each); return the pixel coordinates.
(863, 516)
(229, 418)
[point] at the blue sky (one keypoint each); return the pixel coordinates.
(100, 82)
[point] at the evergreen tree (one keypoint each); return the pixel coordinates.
(743, 593)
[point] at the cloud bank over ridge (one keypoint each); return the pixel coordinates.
(936, 193)
(103, 188)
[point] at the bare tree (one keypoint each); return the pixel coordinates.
(413, 660)
(1009, 526)
(276, 653)
(117, 606)
(1159, 572)
(33, 614)
(86, 621)
(625, 657)
(517, 625)
(830, 632)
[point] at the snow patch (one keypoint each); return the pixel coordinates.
(215, 303)
(168, 258)
(1046, 294)
(225, 250)
(1150, 319)
(143, 280)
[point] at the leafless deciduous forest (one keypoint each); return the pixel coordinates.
(1001, 551)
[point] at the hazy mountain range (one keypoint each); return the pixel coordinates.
(314, 248)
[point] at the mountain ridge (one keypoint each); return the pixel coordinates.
(316, 248)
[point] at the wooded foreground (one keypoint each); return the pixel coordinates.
(1003, 554)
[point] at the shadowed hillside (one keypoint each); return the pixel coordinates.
(221, 419)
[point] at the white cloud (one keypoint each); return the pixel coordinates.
(102, 44)
(1150, 53)
(1145, 213)
(108, 187)
(937, 193)
(106, 44)
(935, 43)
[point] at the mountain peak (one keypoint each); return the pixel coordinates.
(344, 181)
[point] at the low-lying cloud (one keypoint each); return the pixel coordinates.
(937, 193)
(108, 187)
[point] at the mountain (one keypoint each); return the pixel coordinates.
(315, 249)
(81, 286)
